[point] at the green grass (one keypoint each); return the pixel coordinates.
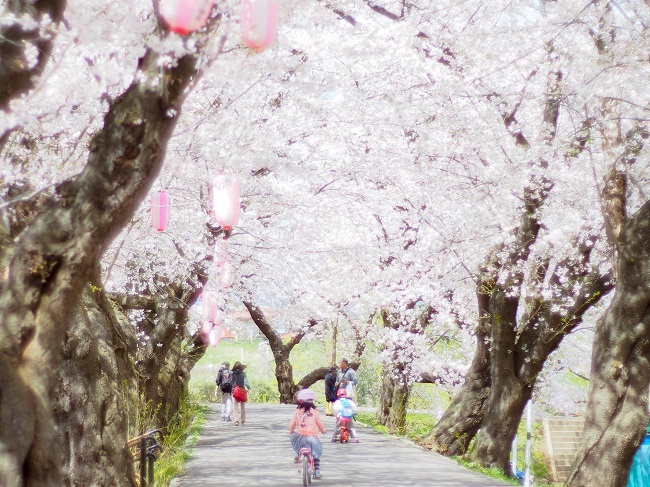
(495, 473)
(182, 434)
(417, 424)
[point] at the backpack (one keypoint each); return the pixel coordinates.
(347, 410)
(226, 380)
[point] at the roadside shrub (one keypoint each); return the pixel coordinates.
(264, 392)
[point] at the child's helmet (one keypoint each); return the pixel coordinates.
(306, 395)
(341, 393)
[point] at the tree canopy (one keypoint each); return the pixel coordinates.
(389, 153)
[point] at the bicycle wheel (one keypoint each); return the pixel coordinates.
(305, 471)
(345, 436)
(310, 471)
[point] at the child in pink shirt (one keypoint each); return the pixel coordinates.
(304, 428)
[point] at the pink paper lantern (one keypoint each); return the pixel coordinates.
(226, 275)
(215, 336)
(226, 200)
(259, 23)
(218, 318)
(207, 327)
(159, 210)
(220, 252)
(185, 16)
(210, 307)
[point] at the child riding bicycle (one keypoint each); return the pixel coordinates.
(304, 428)
(344, 409)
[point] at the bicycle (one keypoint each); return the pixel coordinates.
(307, 469)
(344, 431)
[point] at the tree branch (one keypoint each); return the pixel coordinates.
(264, 326)
(17, 73)
(133, 301)
(382, 11)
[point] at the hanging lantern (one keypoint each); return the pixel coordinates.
(220, 252)
(185, 16)
(210, 307)
(218, 318)
(259, 23)
(226, 201)
(215, 336)
(226, 275)
(159, 210)
(207, 327)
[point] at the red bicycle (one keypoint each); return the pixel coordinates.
(306, 459)
(344, 430)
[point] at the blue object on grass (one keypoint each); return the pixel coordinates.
(520, 475)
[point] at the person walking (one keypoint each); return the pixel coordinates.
(224, 385)
(240, 379)
(346, 378)
(330, 390)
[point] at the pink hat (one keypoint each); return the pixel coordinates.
(306, 395)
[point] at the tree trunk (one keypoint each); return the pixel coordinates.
(284, 376)
(281, 352)
(617, 414)
(393, 398)
(394, 393)
(163, 366)
(505, 395)
(52, 260)
(506, 402)
(94, 373)
(335, 331)
(461, 421)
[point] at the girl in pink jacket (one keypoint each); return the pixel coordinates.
(304, 428)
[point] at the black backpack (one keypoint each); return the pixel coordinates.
(226, 381)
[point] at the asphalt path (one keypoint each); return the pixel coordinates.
(260, 454)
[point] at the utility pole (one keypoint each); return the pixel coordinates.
(334, 336)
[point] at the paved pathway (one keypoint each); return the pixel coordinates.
(260, 454)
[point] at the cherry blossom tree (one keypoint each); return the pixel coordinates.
(617, 414)
(49, 255)
(388, 152)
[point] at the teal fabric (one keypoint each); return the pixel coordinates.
(640, 471)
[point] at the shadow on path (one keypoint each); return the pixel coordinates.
(260, 454)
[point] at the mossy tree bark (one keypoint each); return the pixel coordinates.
(461, 421)
(393, 399)
(395, 387)
(95, 376)
(617, 405)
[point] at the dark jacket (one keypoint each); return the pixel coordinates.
(239, 378)
(224, 379)
(330, 387)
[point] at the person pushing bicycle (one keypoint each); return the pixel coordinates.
(304, 428)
